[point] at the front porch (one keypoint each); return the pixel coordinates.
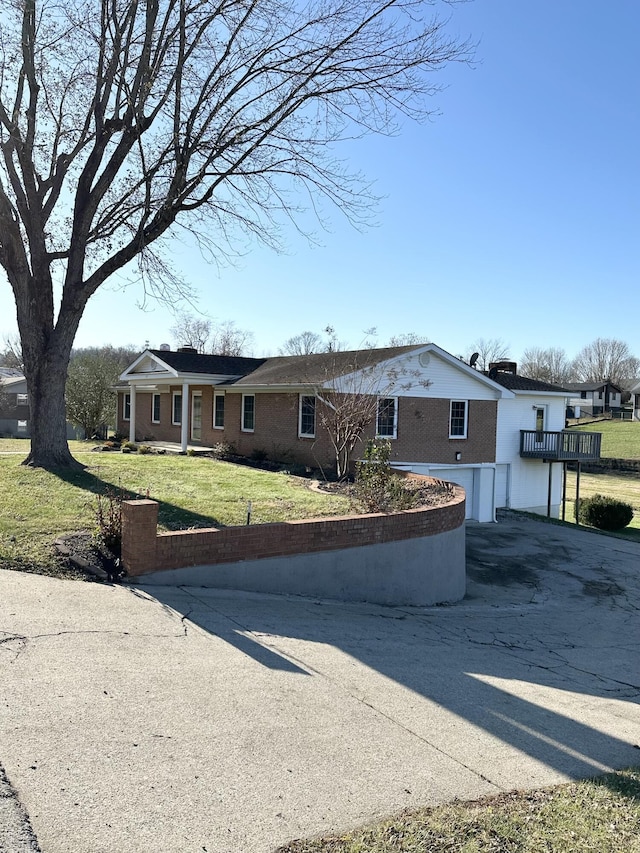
(563, 446)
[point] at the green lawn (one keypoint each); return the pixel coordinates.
(599, 816)
(36, 506)
(624, 487)
(620, 439)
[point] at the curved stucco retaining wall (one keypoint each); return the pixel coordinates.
(414, 557)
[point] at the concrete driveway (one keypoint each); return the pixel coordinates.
(196, 720)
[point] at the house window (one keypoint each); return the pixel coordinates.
(155, 409)
(22, 399)
(387, 418)
(22, 426)
(218, 411)
(307, 416)
(126, 407)
(583, 395)
(458, 419)
(176, 409)
(248, 412)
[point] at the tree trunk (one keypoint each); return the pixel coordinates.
(46, 360)
(48, 423)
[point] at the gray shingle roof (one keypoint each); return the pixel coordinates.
(523, 383)
(193, 362)
(318, 367)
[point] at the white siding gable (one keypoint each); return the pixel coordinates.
(410, 376)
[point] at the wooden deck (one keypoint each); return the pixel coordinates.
(564, 446)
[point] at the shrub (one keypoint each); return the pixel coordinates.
(129, 446)
(144, 449)
(258, 455)
(605, 513)
(223, 450)
(376, 487)
(108, 514)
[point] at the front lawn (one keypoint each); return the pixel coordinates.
(620, 439)
(601, 815)
(36, 506)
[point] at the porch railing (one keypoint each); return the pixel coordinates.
(566, 445)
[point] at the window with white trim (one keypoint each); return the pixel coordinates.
(387, 417)
(126, 407)
(458, 418)
(307, 416)
(155, 409)
(218, 411)
(248, 412)
(176, 408)
(22, 399)
(22, 426)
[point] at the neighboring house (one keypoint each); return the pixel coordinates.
(490, 433)
(14, 404)
(14, 407)
(593, 398)
(634, 391)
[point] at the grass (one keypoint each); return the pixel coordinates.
(624, 487)
(36, 506)
(600, 815)
(620, 439)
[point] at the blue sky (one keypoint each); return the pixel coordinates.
(513, 214)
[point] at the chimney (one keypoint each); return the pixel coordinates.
(503, 367)
(192, 350)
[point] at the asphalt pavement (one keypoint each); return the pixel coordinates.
(186, 719)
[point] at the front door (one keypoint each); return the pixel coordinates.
(196, 417)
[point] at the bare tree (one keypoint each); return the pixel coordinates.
(12, 354)
(303, 344)
(122, 120)
(407, 338)
(488, 349)
(352, 387)
(606, 359)
(191, 331)
(547, 365)
(228, 339)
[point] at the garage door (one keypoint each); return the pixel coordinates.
(461, 477)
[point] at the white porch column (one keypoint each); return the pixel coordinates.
(132, 413)
(184, 428)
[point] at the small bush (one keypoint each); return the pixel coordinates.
(129, 446)
(376, 487)
(223, 450)
(144, 449)
(259, 455)
(605, 513)
(108, 514)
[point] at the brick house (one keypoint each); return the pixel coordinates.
(443, 417)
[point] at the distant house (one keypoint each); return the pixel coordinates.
(15, 415)
(14, 404)
(496, 434)
(593, 398)
(634, 391)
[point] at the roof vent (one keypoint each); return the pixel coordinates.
(165, 348)
(192, 350)
(503, 367)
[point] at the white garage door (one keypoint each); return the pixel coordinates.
(461, 477)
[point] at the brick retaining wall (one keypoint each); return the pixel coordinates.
(144, 550)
